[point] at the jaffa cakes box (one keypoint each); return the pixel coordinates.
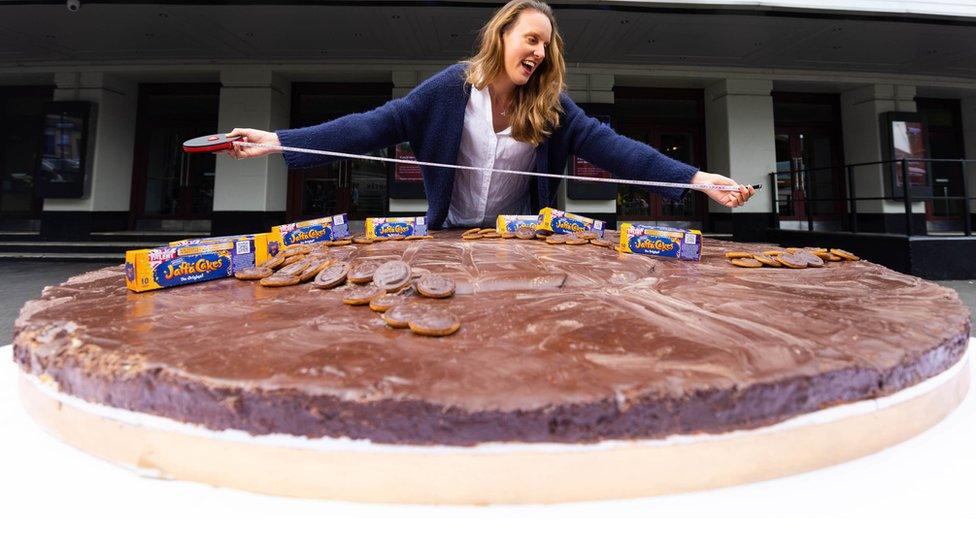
(334, 227)
(511, 223)
(379, 228)
(155, 268)
(660, 241)
(559, 221)
(273, 246)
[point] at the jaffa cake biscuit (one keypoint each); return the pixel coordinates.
(323, 229)
(511, 223)
(391, 227)
(559, 221)
(660, 241)
(155, 268)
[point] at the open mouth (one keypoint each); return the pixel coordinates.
(527, 67)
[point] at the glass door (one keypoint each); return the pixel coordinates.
(170, 187)
(672, 120)
(789, 181)
(810, 182)
(638, 203)
(365, 186)
(353, 186)
(21, 117)
(943, 124)
(947, 180)
(810, 177)
(320, 191)
(680, 146)
(178, 185)
(356, 187)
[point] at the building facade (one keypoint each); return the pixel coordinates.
(799, 96)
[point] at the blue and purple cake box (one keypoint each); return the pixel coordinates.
(559, 221)
(335, 227)
(271, 243)
(155, 268)
(660, 241)
(380, 228)
(511, 223)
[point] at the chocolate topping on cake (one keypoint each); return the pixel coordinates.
(560, 344)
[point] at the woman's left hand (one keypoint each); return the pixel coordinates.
(732, 198)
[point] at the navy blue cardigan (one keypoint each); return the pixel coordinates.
(431, 118)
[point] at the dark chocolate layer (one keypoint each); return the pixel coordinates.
(558, 343)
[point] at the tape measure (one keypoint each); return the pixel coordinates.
(220, 142)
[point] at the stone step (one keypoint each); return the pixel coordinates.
(146, 236)
(70, 247)
(119, 236)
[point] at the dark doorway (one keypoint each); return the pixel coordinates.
(673, 122)
(355, 187)
(809, 158)
(170, 188)
(21, 123)
(943, 124)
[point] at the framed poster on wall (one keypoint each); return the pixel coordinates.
(582, 190)
(904, 138)
(63, 165)
(408, 181)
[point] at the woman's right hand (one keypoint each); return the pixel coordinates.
(269, 139)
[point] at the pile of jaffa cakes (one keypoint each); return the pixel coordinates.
(791, 258)
(526, 232)
(391, 288)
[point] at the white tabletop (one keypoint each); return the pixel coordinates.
(930, 477)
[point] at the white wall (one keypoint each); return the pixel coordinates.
(111, 153)
(740, 137)
(252, 99)
(405, 80)
(860, 111)
(587, 88)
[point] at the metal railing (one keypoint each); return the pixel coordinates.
(852, 199)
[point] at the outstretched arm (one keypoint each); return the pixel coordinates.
(598, 144)
(355, 133)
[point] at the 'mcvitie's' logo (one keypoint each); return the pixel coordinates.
(308, 234)
(393, 229)
(201, 267)
(655, 245)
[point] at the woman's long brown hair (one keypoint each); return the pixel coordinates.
(536, 103)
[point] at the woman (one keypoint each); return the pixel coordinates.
(504, 108)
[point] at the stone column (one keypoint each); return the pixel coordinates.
(403, 82)
(860, 113)
(105, 203)
(740, 140)
(250, 195)
(589, 90)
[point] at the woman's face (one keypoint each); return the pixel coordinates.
(525, 45)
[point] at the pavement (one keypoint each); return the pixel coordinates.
(21, 281)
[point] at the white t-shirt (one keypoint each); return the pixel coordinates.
(479, 197)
